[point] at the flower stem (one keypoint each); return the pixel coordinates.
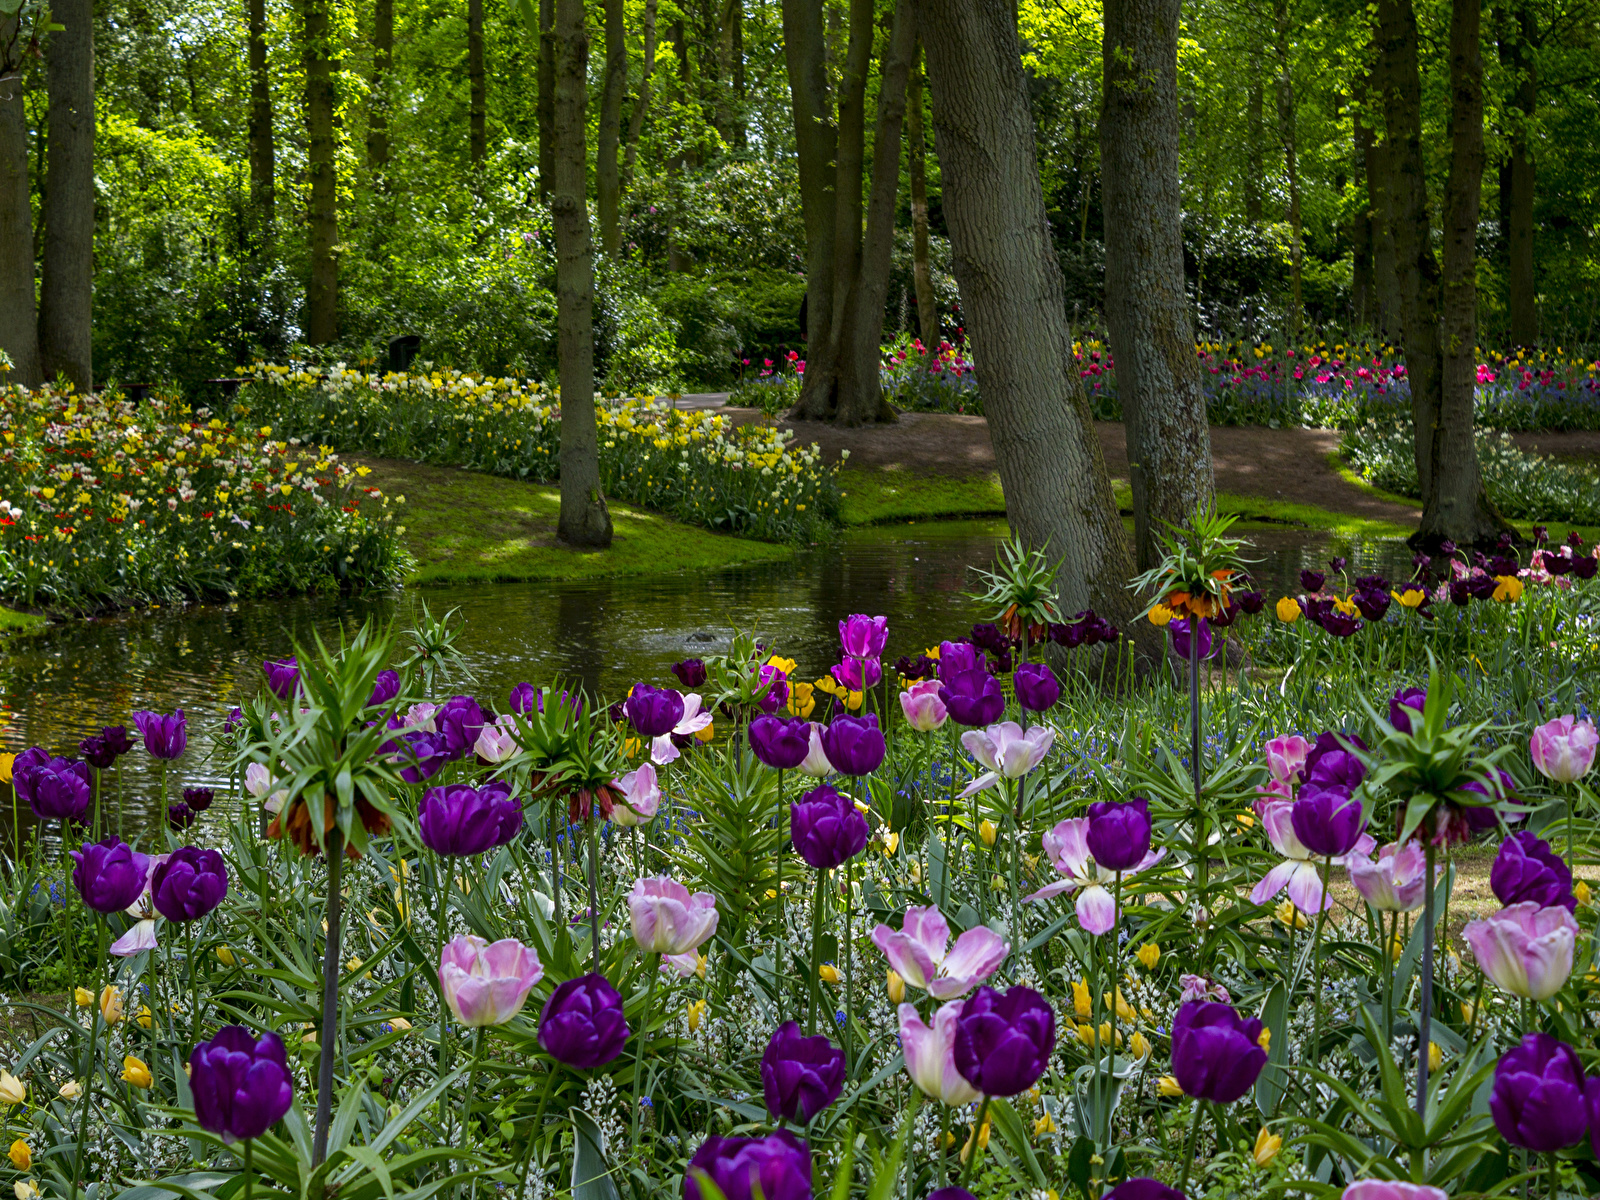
(783, 911)
(1188, 1152)
(1316, 953)
(1426, 1007)
(816, 953)
(249, 1167)
(89, 1081)
(472, 1089)
(327, 1031)
(977, 1142)
(594, 897)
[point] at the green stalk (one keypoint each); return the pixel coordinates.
(94, 1045)
(816, 955)
(328, 1028)
(1188, 1153)
(1111, 1042)
(472, 1091)
(1316, 953)
(653, 965)
(977, 1148)
(594, 898)
(783, 910)
(249, 1167)
(1425, 1023)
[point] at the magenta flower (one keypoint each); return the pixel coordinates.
(1391, 1189)
(668, 919)
(240, 1083)
(972, 697)
(1216, 1053)
(862, 636)
(923, 709)
(958, 657)
(1537, 1100)
(1003, 1041)
(930, 1054)
(1285, 756)
(641, 796)
(1327, 820)
(1527, 869)
(1524, 949)
(1006, 752)
(487, 983)
(1067, 847)
(1405, 708)
(854, 745)
(857, 674)
(1564, 749)
(918, 951)
(1393, 882)
(165, 735)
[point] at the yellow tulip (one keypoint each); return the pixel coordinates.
(135, 1072)
(1082, 1001)
(1124, 1009)
(143, 1016)
(1288, 914)
(1288, 610)
(25, 1189)
(1139, 1045)
(1435, 1056)
(111, 1005)
(1410, 598)
(1346, 606)
(400, 1024)
(1397, 946)
(981, 1136)
(1149, 955)
(1581, 891)
(829, 973)
(987, 832)
(1245, 820)
(1043, 1126)
(6, 762)
(20, 1154)
(891, 842)
(1161, 615)
(82, 997)
(896, 986)
(12, 1089)
(1266, 1147)
(70, 1090)
(1167, 1085)
(697, 1012)
(706, 734)
(1468, 1011)
(1508, 589)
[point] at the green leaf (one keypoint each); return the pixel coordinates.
(591, 1175)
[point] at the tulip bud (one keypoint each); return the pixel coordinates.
(1289, 915)
(143, 1016)
(1139, 1045)
(1082, 1002)
(829, 973)
(110, 1005)
(896, 986)
(998, 883)
(1148, 955)
(1044, 1125)
(226, 956)
(987, 832)
(70, 1090)
(21, 1156)
(25, 1189)
(1288, 609)
(1581, 891)
(1167, 1085)
(135, 1072)
(1160, 615)
(1397, 946)
(1468, 1011)
(697, 1012)
(981, 1136)
(1435, 1056)
(401, 1024)
(82, 997)
(12, 1090)
(1266, 1147)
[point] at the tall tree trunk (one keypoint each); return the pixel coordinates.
(67, 280)
(1363, 291)
(641, 105)
(1416, 269)
(1290, 141)
(263, 158)
(584, 519)
(916, 155)
(678, 259)
(19, 326)
(477, 89)
(1519, 210)
(730, 50)
(607, 170)
(1457, 508)
(322, 296)
(1058, 493)
(816, 143)
(1158, 375)
(545, 110)
(1254, 167)
(1385, 311)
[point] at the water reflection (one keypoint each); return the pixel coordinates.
(63, 685)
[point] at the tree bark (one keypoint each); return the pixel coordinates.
(1385, 306)
(1363, 288)
(1522, 177)
(678, 259)
(1457, 508)
(1255, 168)
(1147, 316)
(263, 157)
(1290, 142)
(1058, 493)
(607, 169)
(545, 111)
(19, 326)
(916, 155)
(322, 296)
(584, 519)
(67, 280)
(816, 142)
(641, 104)
(477, 89)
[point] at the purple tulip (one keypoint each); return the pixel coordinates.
(854, 745)
(109, 875)
(801, 1075)
(956, 657)
(1252, 603)
(95, 752)
(180, 816)
(826, 828)
(384, 688)
(1037, 687)
(283, 676)
(524, 699)
(1311, 580)
(1537, 1101)
(463, 821)
(776, 692)
(424, 754)
(1143, 1188)
(857, 674)
(1564, 748)
(59, 790)
(189, 883)
(1329, 763)
(973, 697)
(582, 1024)
(199, 798)
(165, 735)
(1119, 833)
(241, 1083)
(1584, 565)
(117, 739)
(1527, 869)
(781, 743)
(459, 722)
(1373, 604)
(1003, 1043)
(1328, 820)
(1178, 636)
(26, 768)
(951, 1193)
(234, 720)
(691, 672)
(862, 636)
(774, 1167)
(1216, 1054)
(653, 711)
(1405, 706)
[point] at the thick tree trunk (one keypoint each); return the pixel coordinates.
(916, 155)
(322, 296)
(1416, 269)
(607, 169)
(584, 518)
(546, 107)
(1158, 375)
(1521, 176)
(733, 52)
(263, 157)
(477, 88)
(641, 105)
(19, 326)
(67, 279)
(1058, 494)
(1287, 135)
(816, 142)
(1457, 508)
(1384, 309)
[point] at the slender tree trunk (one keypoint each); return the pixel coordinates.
(19, 325)
(322, 297)
(1519, 244)
(1158, 375)
(1380, 208)
(642, 104)
(67, 280)
(1287, 136)
(1458, 509)
(607, 169)
(678, 259)
(263, 158)
(477, 88)
(1255, 167)
(916, 155)
(584, 519)
(545, 114)
(1363, 288)
(816, 143)
(730, 52)
(1058, 493)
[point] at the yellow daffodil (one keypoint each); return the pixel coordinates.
(1266, 1147)
(896, 986)
(1167, 1085)
(1410, 598)
(82, 997)
(1148, 955)
(1082, 1000)
(1288, 610)
(135, 1072)
(1044, 1125)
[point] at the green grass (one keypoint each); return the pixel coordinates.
(872, 497)
(465, 527)
(12, 621)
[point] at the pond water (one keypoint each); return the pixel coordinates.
(61, 685)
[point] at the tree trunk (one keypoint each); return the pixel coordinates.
(816, 142)
(1384, 311)
(263, 164)
(19, 325)
(1457, 508)
(1255, 169)
(322, 296)
(1287, 136)
(1058, 494)
(607, 170)
(642, 105)
(916, 155)
(584, 518)
(67, 279)
(678, 259)
(1519, 210)
(477, 89)
(545, 113)
(1147, 316)
(1363, 292)
(730, 53)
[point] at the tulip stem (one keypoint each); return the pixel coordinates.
(1111, 1018)
(976, 1146)
(594, 898)
(1425, 1030)
(816, 953)
(783, 911)
(472, 1091)
(653, 965)
(249, 1167)
(327, 1032)
(94, 1045)
(1316, 954)
(1188, 1153)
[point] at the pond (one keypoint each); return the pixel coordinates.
(61, 685)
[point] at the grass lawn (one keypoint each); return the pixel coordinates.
(466, 527)
(12, 621)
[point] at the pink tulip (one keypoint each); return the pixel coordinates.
(1199, 987)
(931, 1055)
(924, 711)
(1285, 756)
(694, 719)
(1391, 1189)
(1067, 847)
(1006, 751)
(1563, 749)
(917, 952)
(815, 763)
(420, 716)
(1300, 873)
(1526, 950)
(667, 919)
(1393, 882)
(641, 796)
(484, 983)
(496, 742)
